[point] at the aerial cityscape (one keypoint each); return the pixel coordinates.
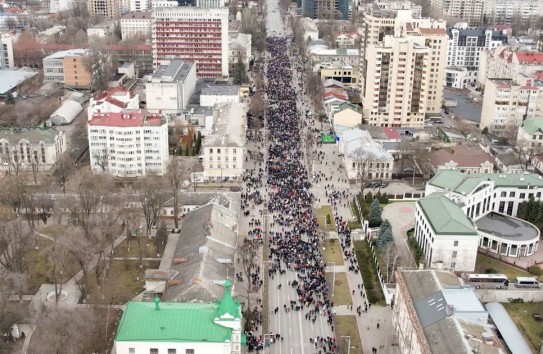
(271, 176)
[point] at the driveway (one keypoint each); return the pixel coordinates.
(402, 217)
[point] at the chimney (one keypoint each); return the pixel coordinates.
(157, 303)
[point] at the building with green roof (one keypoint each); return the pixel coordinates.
(171, 327)
(461, 212)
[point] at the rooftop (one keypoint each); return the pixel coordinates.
(171, 322)
(445, 216)
(11, 78)
(355, 140)
(533, 125)
(67, 53)
(228, 126)
(463, 155)
(507, 227)
(221, 90)
(462, 183)
(137, 15)
(32, 135)
(509, 331)
(126, 119)
(177, 70)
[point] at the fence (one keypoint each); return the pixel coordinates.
(491, 295)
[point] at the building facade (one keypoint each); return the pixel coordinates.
(405, 64)
(30, 148)
(114, 99)
(463, 54)
(170, 87)
(104, 8)
(223, 150)
(68, 68)
(135, 24)
(193, 34)
(507, 103)
(6, 53)
(211, 95)
(128, 144)
(140, 5)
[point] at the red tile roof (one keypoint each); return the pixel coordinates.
(108, 94)
(534, 58)
(538, 75)
(125, 119)
(391, 133)
(334, 94)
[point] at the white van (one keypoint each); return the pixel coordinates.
(526, 282)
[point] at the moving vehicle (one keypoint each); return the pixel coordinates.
(487, 281)
(526, 282)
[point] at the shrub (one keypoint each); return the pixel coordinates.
(490, 271)
(328, 219)
(374, 216)
(535, 270)
(369, 197)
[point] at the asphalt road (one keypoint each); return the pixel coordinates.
(466, 108)
(292, 326)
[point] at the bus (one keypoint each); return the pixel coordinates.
(526, 282)
(488, 281)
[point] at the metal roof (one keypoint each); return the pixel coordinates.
(9, 79)
(445, 216)
(509, 331)
(507, 227)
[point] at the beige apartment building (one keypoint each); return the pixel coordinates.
(68, 68)
(405, 65)
(508, 103)
(104, 8)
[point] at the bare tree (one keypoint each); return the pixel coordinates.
(11, 284)
(101, 158)
(14, 240)
(528, 153)
(35, 166)
(362, 159)
(174, 180)
(247, 254)
(257, 104)
(390, 254)
(60, 259)
(99, 65)
(151, 199)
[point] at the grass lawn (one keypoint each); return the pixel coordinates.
(484, 262)
(342, 294)
(522, 315)
(346, 326)
(369, 273)
(149, 248)
(39, 266)
(332, 251)
(321, 218)
(122, 283)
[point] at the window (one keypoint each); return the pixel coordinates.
(455, 253)
(455, 243)
(522, 195)
(131, 351)
(153, 351)
(172, 351)
(189, 351)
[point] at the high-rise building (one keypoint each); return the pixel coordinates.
(404, 66)
(325, 8)
(463, 53)
(140, 5)
(194, 34)
(104, 8)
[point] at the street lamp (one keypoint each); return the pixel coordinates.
(348, 344)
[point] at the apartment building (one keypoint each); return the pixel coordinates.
(68, 68)
(223, 150)
(114, 99)
(480, 12)
(128, 143)
(104, 8)
(463, 53)
(323, 8)
(507, 103)
(28, 148)
(140, 5)
(506, 63)
(135, 24)
(405, 62)
(6, 52)
(193, 34)
(169, 88)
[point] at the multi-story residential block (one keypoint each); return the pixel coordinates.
(170, 87)
(56, 6)
(507, 103)
(223, 149)
(394, 5)
(210, 3)
(195, 34)
(463, 53)
(433, 313)
(68, 68)
(530, 135)
(479, 12)
(104, 8)
(135, 24)
(324, 8)
(114, 99)
(128, 143)
(364, 158)
(239, 47)
(505, 63)
(140, 5)
(404, 66)
(461, 213)
(30, 148)
(6, 52)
